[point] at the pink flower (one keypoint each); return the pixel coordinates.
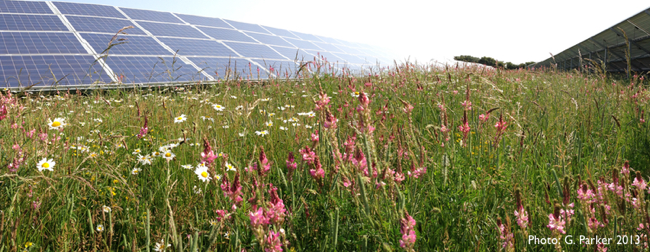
(318, 172)
(273, 242)
(314, 137)
(484, 117)
(207, 156)
(144, 129)
(407, 228)
(522, 217)
(308, 155)
(276, 211)
(266, 165)
(363, 99)
(556, 223)
(467, 104)
(257, 217)
(626, 168)
(3, 112)
(221, 215)
(330, 121)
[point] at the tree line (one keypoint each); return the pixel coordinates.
(488, 61)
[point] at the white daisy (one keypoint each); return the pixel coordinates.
(240, 107)
(262, 133)
(283, 128)
(136, 151)
(207, 118)
(218, 107)
(135, 171)
(202, 173)
(269, 123)
(160, 246)
(56, 124)
(355, 94)
(168, 155)
(197, 189)
(145, 160)
(45, 164)
(106, 209)
(241, 134)
(99, 120)
(230, 167)
(187, 166)
(217, 177)
(100, 228)
(181, 118)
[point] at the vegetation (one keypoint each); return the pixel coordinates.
(491, 62)
(415, 158)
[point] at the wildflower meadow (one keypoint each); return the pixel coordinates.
(411, 157)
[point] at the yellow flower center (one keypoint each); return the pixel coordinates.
(168, 154)
(56, 124)
(204, 174)
(136, 171)
(180, 118)
(46, 165)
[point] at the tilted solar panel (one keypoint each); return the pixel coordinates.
(197, 47)
(24, 7)
(88, 10)
(204, 21)
(39, 43)
(294, 53)
(254, 50)
(151, 15)
(17, 22)
(23, 71)
(247, 27)
(225, 67)
(97, 24)
(226, 34)
(151, 69)
(269, 39)
(125, 45)
(281, 32)
(173, 30)
(64, 43)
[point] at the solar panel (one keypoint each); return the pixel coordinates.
(328, 40)
(294, 53)
(306, 36)
(151, 69)
(95, 24)
(88, 10)
(39, 43)
(24, 7)
(303, 44)
(128, 45)
(281, 32)
(36, 40)
(254, 50)
(281, 68)
(247, 27)
(151, 15)
(187, 47)
(225, 67)
(350, 58)
(226, 34)
(14, 22)
(23, 71)
(173, 30)
(328, 47)
(268, 39)
(325, 55)
(205, 21)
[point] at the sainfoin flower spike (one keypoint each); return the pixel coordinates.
(407, 228)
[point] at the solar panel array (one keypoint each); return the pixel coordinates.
(60, 44)
(609, 47)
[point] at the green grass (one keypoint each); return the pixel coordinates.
(564, 130)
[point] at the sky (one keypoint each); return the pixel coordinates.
(434, 30)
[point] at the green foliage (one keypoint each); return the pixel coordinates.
(559, 132)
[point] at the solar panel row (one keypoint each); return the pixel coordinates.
(42, 43)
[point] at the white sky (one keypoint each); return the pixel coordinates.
(507, 30)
